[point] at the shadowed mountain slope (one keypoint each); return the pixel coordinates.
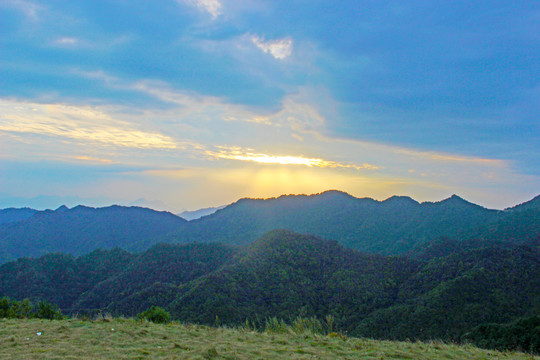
(393, 226)
(11, 215)
(83, 229)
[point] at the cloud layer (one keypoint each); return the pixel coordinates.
(200, 102)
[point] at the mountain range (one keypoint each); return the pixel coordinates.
(398, 225)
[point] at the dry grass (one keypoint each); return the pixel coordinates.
(129, 339)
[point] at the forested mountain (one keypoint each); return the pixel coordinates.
(285, 274)
(60, 278)
(154, 277)
(13, 215)
(450, 295)
(398, 225)
(394, 226)
(83, 229)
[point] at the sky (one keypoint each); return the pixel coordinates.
(186, 104)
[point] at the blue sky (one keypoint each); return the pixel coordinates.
(196, 103)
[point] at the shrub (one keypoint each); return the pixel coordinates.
(46, 310)
(155, 314)
(275, 326)
(5, 307)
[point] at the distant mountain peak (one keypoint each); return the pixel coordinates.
(458, 202)
(455, 199)
(396, 199)
(335, 193)
(61, 208)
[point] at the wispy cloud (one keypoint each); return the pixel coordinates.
(279, 49)
(442, 157)
(86, 158)
(30, 9)
(237, 153)
(66, 41)
(91, 43)
(79, 123)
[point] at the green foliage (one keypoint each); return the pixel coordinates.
(522, 334)
(15, 309)
(46, 310)
(60, 278)
(23, 310)
(155, 314)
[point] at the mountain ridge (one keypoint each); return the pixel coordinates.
(362, 223)
(82, 229)
(396, 225)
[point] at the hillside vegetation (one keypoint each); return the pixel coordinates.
(286, 275)
(129, 339)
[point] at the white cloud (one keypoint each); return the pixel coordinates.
(279, 49)
(213, 7)
(66, 41)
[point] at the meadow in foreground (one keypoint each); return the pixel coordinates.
(131, 339)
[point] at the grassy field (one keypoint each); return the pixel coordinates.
(130, 339)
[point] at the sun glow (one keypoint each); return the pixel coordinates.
(242, 155)
(283, 160)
